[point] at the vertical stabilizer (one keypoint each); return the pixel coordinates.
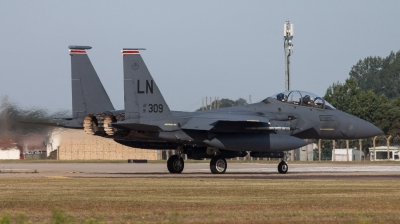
(88, 93)
(143, 99)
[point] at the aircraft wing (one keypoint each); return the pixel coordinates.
(206, 123)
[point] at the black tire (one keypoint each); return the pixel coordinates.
(218, 165)
(283, 167)
(175, 165)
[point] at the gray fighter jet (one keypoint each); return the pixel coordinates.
(265, 129)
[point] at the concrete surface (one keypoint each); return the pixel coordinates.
(201, 170)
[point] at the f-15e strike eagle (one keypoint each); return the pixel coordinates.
(266, 129)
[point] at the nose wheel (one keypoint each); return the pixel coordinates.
(175, 164)
(283, 167)
(218, 165)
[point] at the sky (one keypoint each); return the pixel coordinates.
(194, 49)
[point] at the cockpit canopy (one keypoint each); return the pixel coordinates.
(303, 98)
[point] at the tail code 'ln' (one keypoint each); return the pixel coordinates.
(143, 99)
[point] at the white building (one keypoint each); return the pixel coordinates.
(341, 155)
(382, 152)
(9, 153)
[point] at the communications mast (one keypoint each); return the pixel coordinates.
(288, 46)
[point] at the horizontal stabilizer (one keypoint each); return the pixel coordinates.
(40, 123)
(63, 118)
(135, 126)
(73, 123)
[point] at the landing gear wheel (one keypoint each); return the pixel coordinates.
(218, 165)
(283, 167)
(175, 164)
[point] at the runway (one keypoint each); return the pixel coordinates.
(201, 170)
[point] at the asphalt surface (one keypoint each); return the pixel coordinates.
(201, 170)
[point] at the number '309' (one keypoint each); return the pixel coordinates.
(156, 108)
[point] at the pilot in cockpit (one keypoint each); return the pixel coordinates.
(281, 97)
(307, 100)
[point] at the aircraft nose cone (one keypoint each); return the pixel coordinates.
(367, 130)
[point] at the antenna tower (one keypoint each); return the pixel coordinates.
(288, 46)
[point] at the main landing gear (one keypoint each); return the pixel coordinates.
(175, 164)
(218, 164)
(283, 167)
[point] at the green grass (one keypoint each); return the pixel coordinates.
(197, 200)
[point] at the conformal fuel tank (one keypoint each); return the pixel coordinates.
(255, 142)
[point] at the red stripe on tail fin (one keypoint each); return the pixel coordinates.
(74, 51)
(124, 52)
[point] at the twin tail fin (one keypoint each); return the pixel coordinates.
(88, 93)
(143, 100)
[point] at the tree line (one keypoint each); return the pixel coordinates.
(371, 92)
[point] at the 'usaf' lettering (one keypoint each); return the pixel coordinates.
(149, 87)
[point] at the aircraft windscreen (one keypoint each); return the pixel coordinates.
(303, 98)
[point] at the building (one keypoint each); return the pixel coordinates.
(12, 153)
(354, 155)
(77, 145)
(8, 147)
(382, 152)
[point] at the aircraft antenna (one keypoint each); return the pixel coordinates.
(288, 46)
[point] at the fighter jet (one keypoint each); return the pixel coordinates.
(265, 129)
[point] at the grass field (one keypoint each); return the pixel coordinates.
(197, 200)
